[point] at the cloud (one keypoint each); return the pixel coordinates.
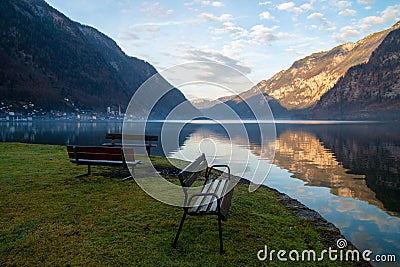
(217, 4)
(347, 12)
(234, 49)
(264, 3)
(373, 20)
(286, 6)
(128, 36)
(205, 3)
(366, 2)
(214, 55)
(230, 28)
(262, 35)
(266, 15)
(391, 13)
(346, 33)
(316, 15)
(156, 10)
(213, 18)
(151, 28)
(208, 17)
(326, 25)
(291, 7)
(342, 4)
(256, 35)
(307, 6)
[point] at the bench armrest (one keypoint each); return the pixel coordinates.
(201, 195)
(208, 172)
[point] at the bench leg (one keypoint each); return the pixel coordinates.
(221, 248)
(130, 176)
(179, 230)
(85, 174)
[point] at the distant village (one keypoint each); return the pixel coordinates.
(29, 112)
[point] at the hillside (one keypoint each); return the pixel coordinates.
(55, 63)
(303, 84)
(370, 90)
(351, 81)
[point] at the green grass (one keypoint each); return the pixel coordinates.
(48, 217)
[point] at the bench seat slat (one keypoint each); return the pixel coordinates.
(208, 199)
(221, 189)
(199, 200)
(104, 162)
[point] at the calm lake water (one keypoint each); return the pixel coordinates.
(348, 172)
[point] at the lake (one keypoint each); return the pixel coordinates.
(349, 172)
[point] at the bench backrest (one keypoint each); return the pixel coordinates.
(191, 172)
(147, 138)
(95, 153)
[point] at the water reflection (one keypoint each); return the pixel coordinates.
(58, 132)
(305, 156)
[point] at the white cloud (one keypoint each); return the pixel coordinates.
(226, 17)
(230, 28)
(366, 2)
(151, 28)
(342, 4)
(326, 25)
(217, 4)
(205, 54)
(286, 6)
(262, 35)
(156, 10)
(307, 6)
(210, 3)
(348, 12)
(316, 15)
(234, 49)
(213, 18)
(390, 14)
(265, 3)
(346, 33)
(373, 20)
(208, 17)
(266, 15)
(290, 7)
(128, 36)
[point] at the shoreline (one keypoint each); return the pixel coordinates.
(48, 212)
(329, 232)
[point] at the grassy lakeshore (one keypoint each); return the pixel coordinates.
(48, 217)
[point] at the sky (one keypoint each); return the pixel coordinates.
(258, 38)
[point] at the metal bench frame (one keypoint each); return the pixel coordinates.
(214, 198)
(149, 140)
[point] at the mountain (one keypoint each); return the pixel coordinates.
(55, 63)
(352, 81)
(370, 90)
(302, 85)
(246, 105)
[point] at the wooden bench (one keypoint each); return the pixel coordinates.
(104, 156)
(148, 139)
(215, 195)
